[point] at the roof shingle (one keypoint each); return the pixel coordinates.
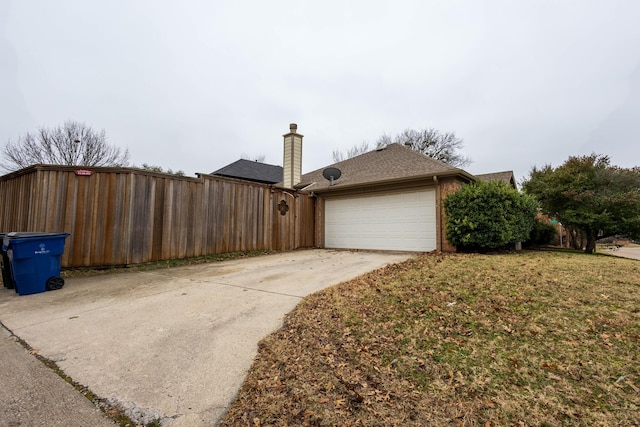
(252, 171)
(506, 177)
(394, 162)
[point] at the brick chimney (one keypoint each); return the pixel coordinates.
(292, 162)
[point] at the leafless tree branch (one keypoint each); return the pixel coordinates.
(73, 143)
(257, 158)
(443, 146)
(356, 150)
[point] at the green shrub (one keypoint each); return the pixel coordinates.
(542, 233)
(488, 215)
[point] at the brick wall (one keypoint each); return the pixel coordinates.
(447, 186)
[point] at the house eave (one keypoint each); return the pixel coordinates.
(431, 178)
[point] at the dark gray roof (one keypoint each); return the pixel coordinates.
(506, 177)
(393, 163)
(251, 171)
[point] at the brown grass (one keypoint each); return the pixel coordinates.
(534, 338)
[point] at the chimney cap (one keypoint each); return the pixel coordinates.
(293, 127)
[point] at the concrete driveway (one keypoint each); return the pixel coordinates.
(175, 344)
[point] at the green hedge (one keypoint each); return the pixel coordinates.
(488, 215)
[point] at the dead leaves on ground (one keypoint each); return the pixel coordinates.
(513, 339)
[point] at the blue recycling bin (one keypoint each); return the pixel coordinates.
(35, 260)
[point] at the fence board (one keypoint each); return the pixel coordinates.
(128, 216)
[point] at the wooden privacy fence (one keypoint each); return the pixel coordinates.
(123, 216)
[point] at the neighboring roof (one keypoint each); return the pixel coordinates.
(506, 177)
(393, 163)
(251, 171)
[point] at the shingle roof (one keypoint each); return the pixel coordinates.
(392, 163)
(252, 171)
(506, 177)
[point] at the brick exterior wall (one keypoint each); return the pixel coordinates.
(446, 187)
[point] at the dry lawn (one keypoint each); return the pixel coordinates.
(534, 338)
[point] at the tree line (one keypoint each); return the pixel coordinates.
(590, 197)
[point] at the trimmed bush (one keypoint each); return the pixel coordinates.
(488, 215)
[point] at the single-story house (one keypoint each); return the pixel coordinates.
(251, 171)
(387, 199)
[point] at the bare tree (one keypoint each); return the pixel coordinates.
(73, 143)
(259, 158)
(356, 150)
(431, 142)
(160, 169)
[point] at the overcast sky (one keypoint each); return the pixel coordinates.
(194, 85)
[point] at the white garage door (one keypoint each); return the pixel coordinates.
(399, 221)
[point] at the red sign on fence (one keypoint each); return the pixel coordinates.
(83, 172)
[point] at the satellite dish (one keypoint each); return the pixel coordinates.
(331, 174)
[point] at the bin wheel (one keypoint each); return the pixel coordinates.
(55, 283)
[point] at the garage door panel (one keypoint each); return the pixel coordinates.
(399, 221)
